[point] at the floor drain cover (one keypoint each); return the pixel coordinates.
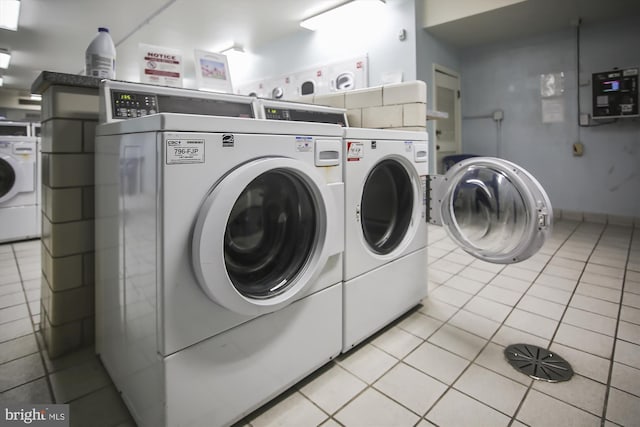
(538, 363)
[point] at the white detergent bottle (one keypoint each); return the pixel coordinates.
(100, 57)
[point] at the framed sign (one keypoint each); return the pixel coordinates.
(212, 72)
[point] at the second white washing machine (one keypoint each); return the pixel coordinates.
(385, 228)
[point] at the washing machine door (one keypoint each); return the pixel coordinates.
(10, 178)
(391, 200)
(492, 208)
(261, 235)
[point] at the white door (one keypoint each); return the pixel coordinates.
(447, 100)
(493, 209)
(261, 235)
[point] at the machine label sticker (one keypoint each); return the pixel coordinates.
(304, 144)
(408, 146)
(180, 151)
(355, 151)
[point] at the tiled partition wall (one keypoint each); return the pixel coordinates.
(69, 118)
(395, 106)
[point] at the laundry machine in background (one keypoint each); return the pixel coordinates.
(18, 189)
(385, 228)
(218, 274)
(11, 128)
(299, 112)
(36, 133)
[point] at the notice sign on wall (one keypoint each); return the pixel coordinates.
(161, 65)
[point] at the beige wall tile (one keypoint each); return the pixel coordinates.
(414, 115)
(595, 218)
(62, 204)
(330, 100)
(89, 136)
(69, 102)
(626, 221)
(70, 305)
(405, 93)
(61, 136)
(68, 238)
(382, 117)
(360, 98)
(69, 170)
(62, 339)
(63, 272)
(572, 215)
(355, 117)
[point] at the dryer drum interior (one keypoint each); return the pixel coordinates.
(387, 205)
(270, 234)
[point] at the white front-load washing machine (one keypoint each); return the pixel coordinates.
(218, 261)
(492, 208)
(386, 214)
(18, 188)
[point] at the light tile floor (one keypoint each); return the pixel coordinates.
(440, 364)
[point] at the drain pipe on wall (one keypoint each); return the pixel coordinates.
(497, 116)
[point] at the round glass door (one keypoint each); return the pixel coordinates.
(263, 235)
(7, 179)
(269, 235)
(386, 206)
(495, 210)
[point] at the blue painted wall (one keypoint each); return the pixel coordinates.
(506, 76)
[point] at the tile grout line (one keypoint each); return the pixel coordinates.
(615, 338)
(40, 349)
(530, 386)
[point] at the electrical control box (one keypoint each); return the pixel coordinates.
(615, 94)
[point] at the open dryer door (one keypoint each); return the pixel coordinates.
(493, 209)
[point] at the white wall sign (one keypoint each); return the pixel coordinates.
(552, 110)
(161, 65)
(212, 72)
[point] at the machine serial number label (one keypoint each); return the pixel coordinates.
(180, 151)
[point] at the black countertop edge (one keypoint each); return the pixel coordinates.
(50, 78)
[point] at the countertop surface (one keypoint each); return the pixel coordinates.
(50, 78)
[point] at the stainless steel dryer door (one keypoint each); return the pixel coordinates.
(493, 209)
(261, 235)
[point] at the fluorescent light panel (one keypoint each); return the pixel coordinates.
(9, 14)
(341, 15)
(5, 58)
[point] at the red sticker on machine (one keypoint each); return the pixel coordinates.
(355, 150)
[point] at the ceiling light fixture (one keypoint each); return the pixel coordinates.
(9, 14)
(1, 81)
(234, 48)
(5, 58)
(342, 14)
(35, 97)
